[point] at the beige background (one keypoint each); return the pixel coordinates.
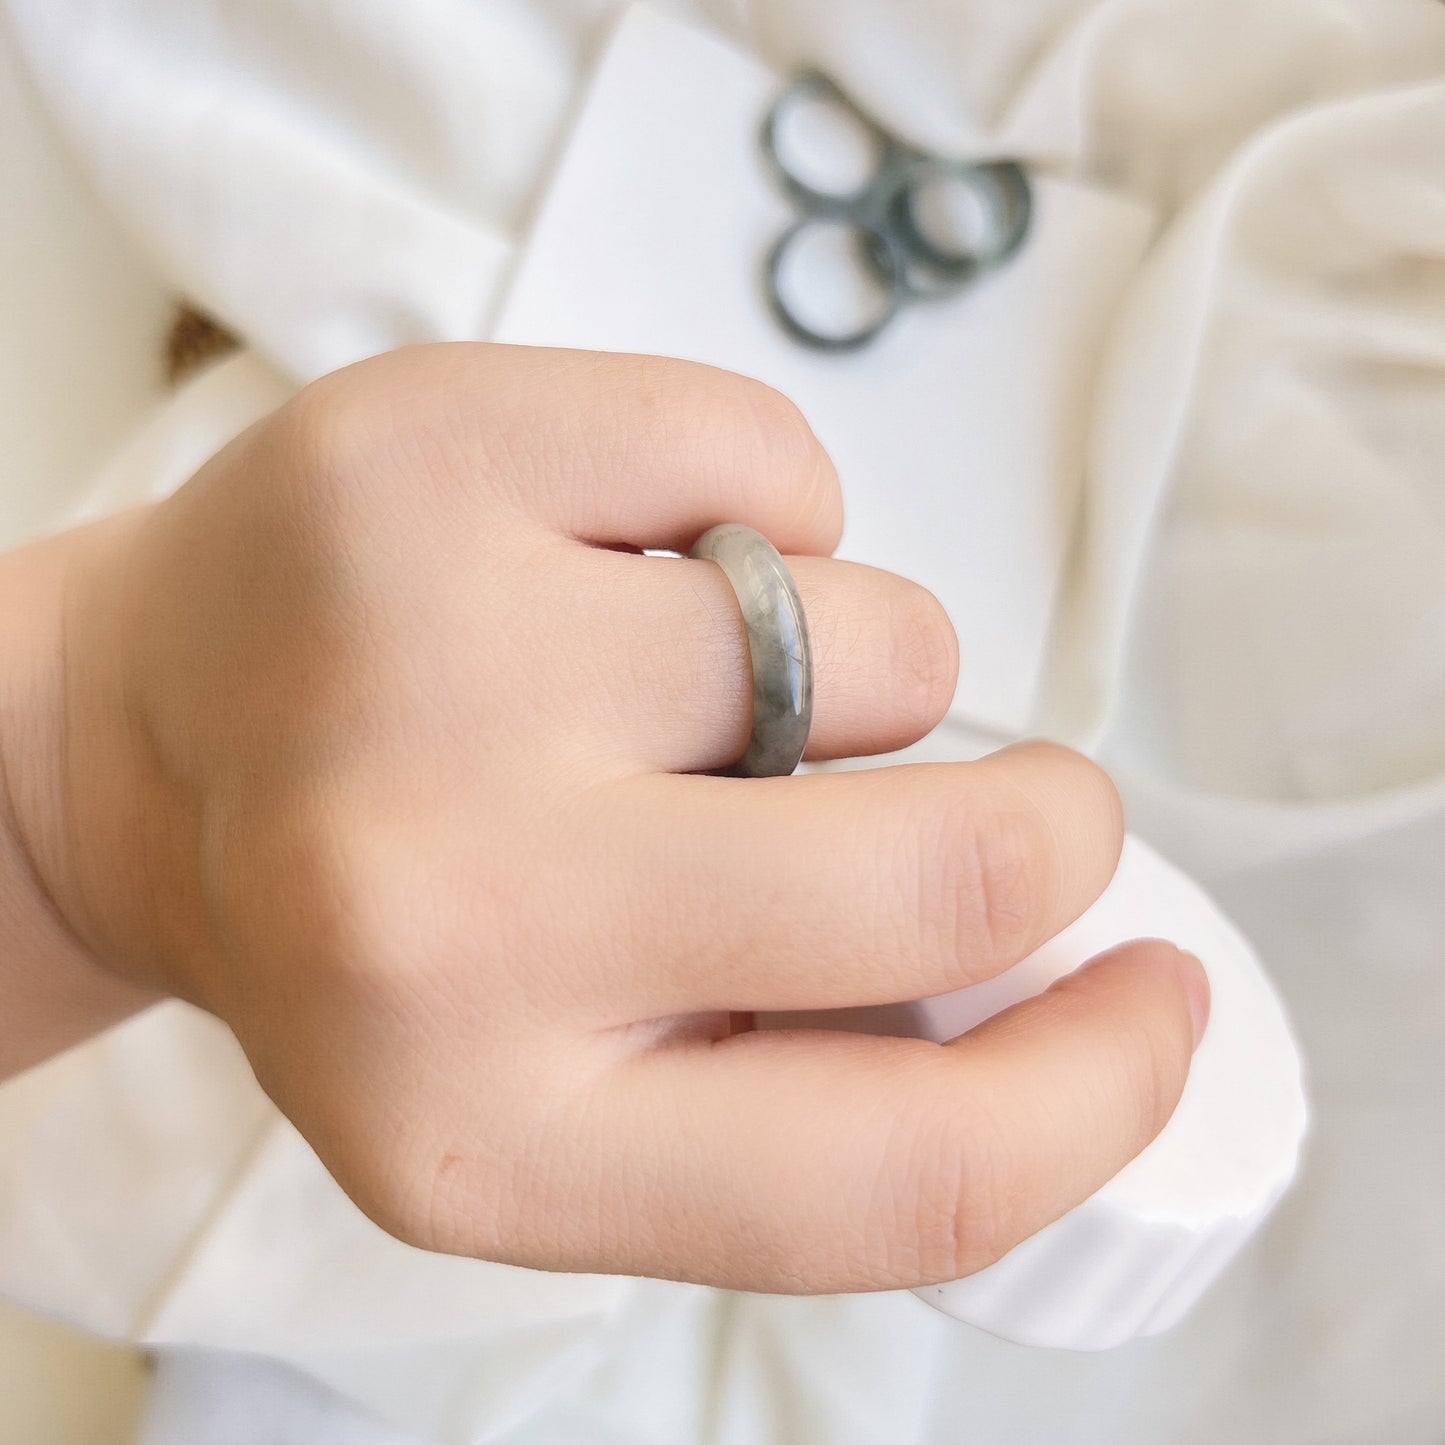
(81, 325)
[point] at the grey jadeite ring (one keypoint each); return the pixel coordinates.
(782, 656)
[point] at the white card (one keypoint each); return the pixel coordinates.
(959, 433)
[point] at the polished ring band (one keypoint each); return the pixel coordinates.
(782, 656)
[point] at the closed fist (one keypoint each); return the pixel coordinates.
(384, 741)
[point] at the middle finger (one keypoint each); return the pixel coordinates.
(837, 890)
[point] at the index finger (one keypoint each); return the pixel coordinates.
(645, 451)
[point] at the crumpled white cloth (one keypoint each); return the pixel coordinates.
(1250, 634)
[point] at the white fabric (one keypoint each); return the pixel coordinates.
(1250, 636)
(204, 1398)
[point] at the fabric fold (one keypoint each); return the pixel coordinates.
(1251, 640)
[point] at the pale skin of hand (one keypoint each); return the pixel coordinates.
(377, 741)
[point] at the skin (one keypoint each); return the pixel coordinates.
(381, 741)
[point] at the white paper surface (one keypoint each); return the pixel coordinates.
(957, 433)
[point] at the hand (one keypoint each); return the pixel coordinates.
(380, 740)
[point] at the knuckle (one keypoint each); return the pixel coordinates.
(328, 432)
(979, 1224)
(772, 438)
(319, 415)
(947, 1202)
(775, 420)
(342, 422)
(985, 879)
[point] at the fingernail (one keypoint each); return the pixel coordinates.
(1196, 985)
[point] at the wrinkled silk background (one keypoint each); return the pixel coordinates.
(1252, 638)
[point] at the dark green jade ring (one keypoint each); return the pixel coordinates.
(782, 656)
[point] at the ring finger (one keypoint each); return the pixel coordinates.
(679, 699)
(836, 890)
